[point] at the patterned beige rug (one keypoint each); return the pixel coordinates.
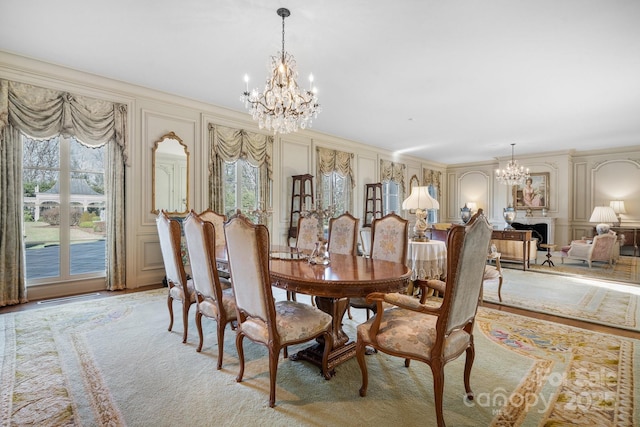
(625, 270)
(599, 301)
(111, 362)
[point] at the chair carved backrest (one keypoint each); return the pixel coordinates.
(218, 221)
(248, 249)
(307, 233)
(343, 234)
(170, 244)
(200, 236)
(467, 248)
(389, 238)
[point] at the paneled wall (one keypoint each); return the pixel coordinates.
(578, 181)
(153, 114)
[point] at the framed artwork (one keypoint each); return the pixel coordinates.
(534, 193)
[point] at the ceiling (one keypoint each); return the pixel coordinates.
(450, 81)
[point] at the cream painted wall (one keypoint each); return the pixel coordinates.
(577, 183)
(151, 114)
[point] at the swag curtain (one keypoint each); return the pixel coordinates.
(340, 162)
(227, 146)
(434, 178)
(390, 171)
(43, 113)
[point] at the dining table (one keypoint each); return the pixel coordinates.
(344, 277)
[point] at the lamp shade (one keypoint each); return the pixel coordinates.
(420, 199)
(618, 206)
(603, 214)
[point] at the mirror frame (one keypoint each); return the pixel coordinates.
(154, 208)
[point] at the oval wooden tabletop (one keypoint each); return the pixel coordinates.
(345, 276)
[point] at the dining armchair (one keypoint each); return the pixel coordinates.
(343, 234)
(389, 243)
(433, 334)
(601, 248)
(212, 300)
(274, 324)
(180, 288)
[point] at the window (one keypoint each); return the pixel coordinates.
(64, 208)
(335, 191)
(241, 188)
(432, 214)
(390, 197)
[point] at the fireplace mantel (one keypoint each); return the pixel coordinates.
(532, 220)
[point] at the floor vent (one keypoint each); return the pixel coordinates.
(71, 298)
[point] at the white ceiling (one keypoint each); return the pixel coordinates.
(453, 81)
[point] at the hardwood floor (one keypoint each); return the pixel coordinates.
(522, 312)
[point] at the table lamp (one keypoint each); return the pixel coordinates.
(604, 216)
(420, 200)
(618, 208)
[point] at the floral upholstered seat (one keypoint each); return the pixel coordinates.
(275, 325)
(433, 334)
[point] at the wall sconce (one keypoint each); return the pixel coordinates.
(618, 208)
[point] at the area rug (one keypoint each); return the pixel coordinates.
(603, 302)
(625, 270)
(111, 362)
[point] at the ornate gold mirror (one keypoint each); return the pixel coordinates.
(170, 178)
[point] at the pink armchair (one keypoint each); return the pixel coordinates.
(602, 248)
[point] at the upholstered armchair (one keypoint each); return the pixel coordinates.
(264, 321)
(433, 334)
(212, 300)
(343, 234)
(389, 243)
(180, 288)
(601, 248)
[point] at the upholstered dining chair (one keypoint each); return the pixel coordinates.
(274, 324)
(218, 221)
(307, 233)
(389, 243)
(308, 228)
(212, 300)
(493, 272)
(433, 334)
(180, 288)
(343, 234)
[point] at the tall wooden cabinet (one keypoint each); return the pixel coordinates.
(301, 196)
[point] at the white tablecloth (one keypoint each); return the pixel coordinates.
(427, 260)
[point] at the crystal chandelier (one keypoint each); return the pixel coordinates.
(513, 174)
(282, 106)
